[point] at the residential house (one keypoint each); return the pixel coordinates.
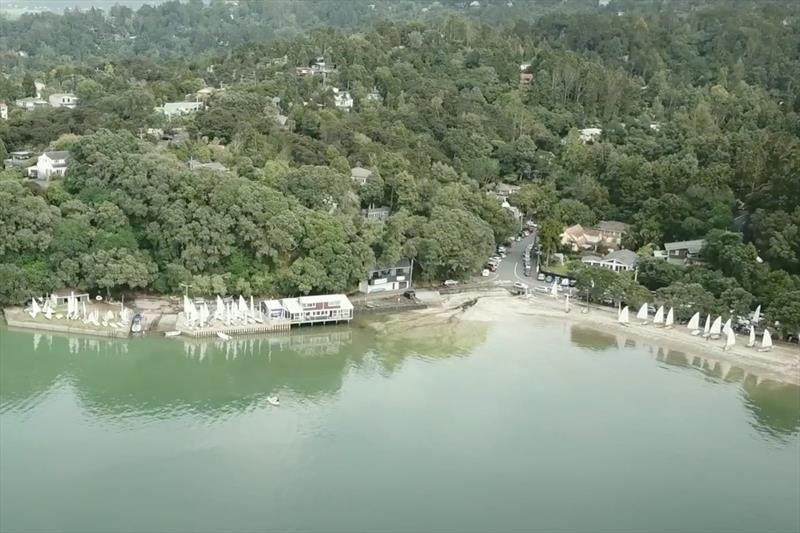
(316, 309)
(342, 99)
(612, 231)
(31, 103)
(49, 165)
(504, 190)
(515, 212)
(396, 277)
(681, 252)
(607, 233)
(205, 93)
(18, 159)
(175, 109)
(67, 100)
(316, 67)
(214, 166)
(359, 175)
(3, 110)
(377, 214)
(525, 75)
(618, 261)
(40, 87)
(374, 96)
(590, 135)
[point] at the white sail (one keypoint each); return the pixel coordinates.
(219, 310)
(84, 315)
(642, 314)
(659, 318)
(252, 310)
(554, 290)
(623, 315)
(730, 338)
(752, 340)
(694, 323)
(185, 307)
(766, 341)
(757, 315)
(566, 304)
(242, 307)
(35, 309)
(727, 325)
(707, 327)
(670, 317)
(48, 311)
(109, 317)
(716, 327)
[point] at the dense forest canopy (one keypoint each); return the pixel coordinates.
(698, 103)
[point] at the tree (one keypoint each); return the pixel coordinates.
(117, 268)
(454, 244)
(783, 314)
(549, 236)
(686, 299)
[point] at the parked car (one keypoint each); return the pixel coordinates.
(450, 283)
(572, 282)
(410, 294)
(540, 277)
(565, 282)
(485, 272)
(549, 279)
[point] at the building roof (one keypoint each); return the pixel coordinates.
(62, 95)
(341, 299)
(213, 165)
(693, 246)
(60, 154)
(612, 225)
(403, 263)
(172, 107)
(626, 257)
(592, 259)
(360, 172)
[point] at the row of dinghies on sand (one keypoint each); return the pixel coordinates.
(711, 330)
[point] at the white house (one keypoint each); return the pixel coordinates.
(374, 96)
(590, 135)
(3, 110)
(49, 164)
(68, 100)
(174, 109)
(342, 99)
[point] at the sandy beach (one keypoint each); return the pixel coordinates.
(781, 364)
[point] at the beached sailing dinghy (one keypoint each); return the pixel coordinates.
(642, 314)
(658, 320)
(694, 324)
(623, 316)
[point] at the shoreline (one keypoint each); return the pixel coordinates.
(781, 364)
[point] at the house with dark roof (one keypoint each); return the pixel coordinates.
(618, 261)
(49, 164)
(681, 252)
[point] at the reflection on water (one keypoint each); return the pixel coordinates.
(775, 406)
(592, 339)
(157, 376)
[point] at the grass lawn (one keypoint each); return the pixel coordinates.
(560, 270)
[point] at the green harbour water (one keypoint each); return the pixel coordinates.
(524, 426)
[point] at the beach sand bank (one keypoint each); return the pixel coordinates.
(780, 364)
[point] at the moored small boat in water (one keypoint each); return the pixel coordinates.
(136, 324)
(223, 336)
(273, 399)
(172, 333)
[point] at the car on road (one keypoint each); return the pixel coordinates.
(450, 283)
(485, 272)
(540, 277)
(411, 294)
(549, 279)
(565, 282)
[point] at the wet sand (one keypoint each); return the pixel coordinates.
(782, 363)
